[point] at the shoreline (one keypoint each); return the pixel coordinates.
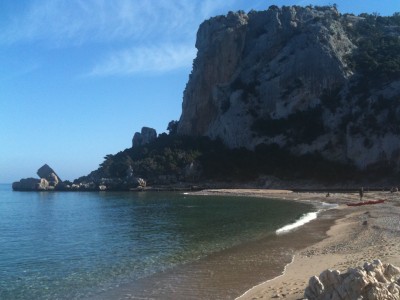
(228, 273)
(256, 287)
(357, 235)
(279, 268)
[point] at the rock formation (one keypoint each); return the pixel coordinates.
(26, 184)
(144, 137)
(285, 76)
(49, 180)
(141, 182)
(48, 174)
(375, 281)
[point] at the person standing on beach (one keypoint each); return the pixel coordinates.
(361, 192)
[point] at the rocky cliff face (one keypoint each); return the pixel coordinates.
(286, 76)
(144, 137)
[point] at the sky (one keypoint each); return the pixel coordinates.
(79, 77)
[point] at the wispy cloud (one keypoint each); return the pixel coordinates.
(128, 25)
(145, 60)
(81, 21)
(78, 21)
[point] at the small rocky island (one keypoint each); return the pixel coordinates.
(49, 181)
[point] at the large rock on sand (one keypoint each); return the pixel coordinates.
(375, 281)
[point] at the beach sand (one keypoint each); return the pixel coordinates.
(359, 234)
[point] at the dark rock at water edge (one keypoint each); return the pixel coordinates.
(48, 180)
(26, 184)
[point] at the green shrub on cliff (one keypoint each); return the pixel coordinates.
(170, 155)
(302, 126)
(378, 47)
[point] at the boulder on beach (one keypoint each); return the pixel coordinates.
(373, 281)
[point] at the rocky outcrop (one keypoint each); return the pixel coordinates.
(26, 184)
(274, 62)
(42, 185)
(141, 182)
(98, 180)
(220, 43)
(144, 137)
(375, 281)
(284, 76)
(48, 180)
(49, 175)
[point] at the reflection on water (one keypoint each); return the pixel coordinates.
(70, 245)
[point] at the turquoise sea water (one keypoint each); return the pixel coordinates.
(70, 245)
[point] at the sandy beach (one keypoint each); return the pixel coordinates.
(357, 235)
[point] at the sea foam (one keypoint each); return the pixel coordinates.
(300, 222)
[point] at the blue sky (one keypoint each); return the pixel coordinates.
(79, 77)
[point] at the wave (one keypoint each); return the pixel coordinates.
(300, 222)
(322, 206)
(329, 205)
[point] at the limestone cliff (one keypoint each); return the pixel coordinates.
(288, 76)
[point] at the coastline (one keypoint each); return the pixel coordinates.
(355, 235)
(340, 237)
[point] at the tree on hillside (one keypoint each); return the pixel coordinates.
(173, 127)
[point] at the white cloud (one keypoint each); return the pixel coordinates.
(128, 25)
(77, 21)
(63, 22)
(152, 59)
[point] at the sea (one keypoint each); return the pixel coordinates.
(141, 245)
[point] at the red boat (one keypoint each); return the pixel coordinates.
(366, 202)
